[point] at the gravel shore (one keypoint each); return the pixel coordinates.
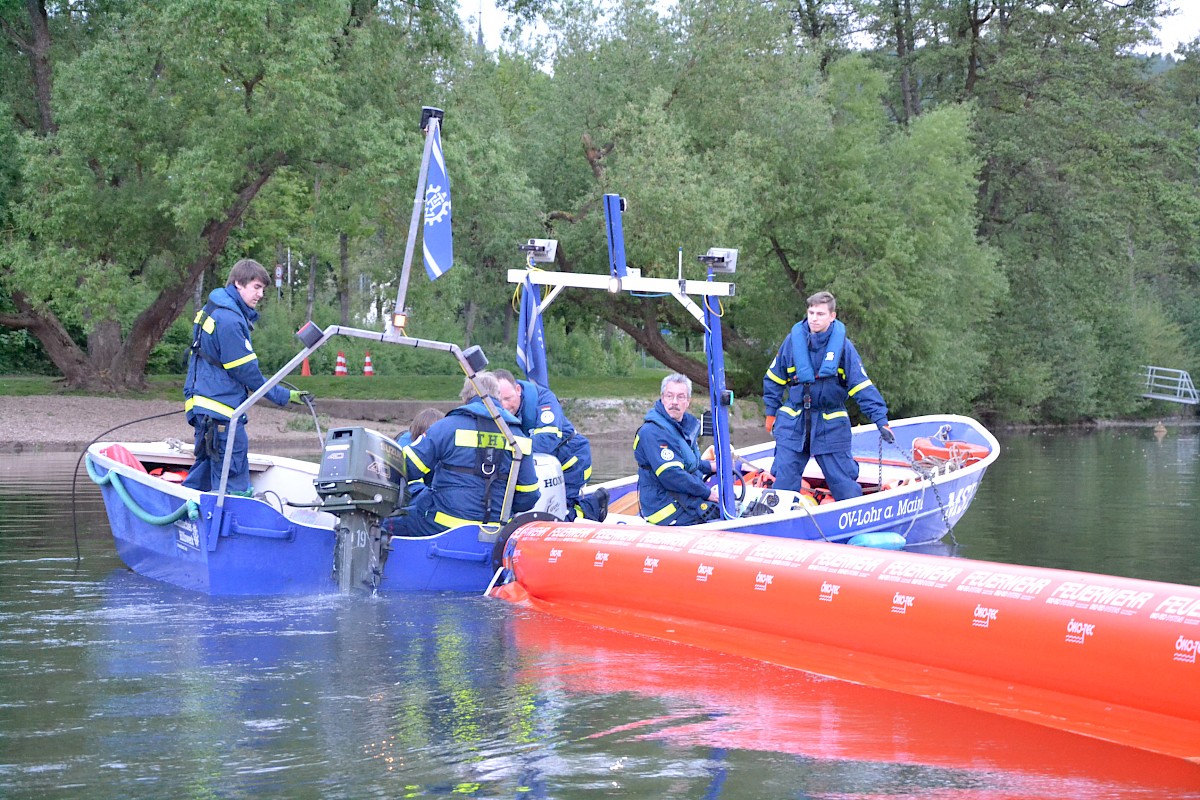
(69, 422)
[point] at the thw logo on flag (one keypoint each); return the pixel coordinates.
(531, 338)
(437, 239)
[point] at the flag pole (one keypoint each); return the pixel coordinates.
(430, 117)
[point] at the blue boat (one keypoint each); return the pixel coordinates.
(280, 541)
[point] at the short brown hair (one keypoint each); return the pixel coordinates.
(247, 271)
(823, 299)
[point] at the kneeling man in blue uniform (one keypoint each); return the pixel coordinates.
(465, 461)
(542, 417)
(671, 474)
(222, 372)
(805, 391)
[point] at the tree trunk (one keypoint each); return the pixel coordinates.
(344, 277)
(39, 61)
(312, 288)
(469, 322)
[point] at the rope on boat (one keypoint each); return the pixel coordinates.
(189, 508)
(929, 467)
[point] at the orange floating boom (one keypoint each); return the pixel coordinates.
(1108, 657)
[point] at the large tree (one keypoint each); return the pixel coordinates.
(156, 128)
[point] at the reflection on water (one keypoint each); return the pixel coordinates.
(117, 686)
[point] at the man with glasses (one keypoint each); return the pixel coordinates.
(671, 487)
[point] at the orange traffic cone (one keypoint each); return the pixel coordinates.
(340, 368)
(368, 370)
(305, 370)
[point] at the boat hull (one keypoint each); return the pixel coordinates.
(257, 550)
(923, 509)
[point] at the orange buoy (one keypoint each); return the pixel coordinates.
(1113, 658)
(967, 453)
(339, 368)
(368, 368)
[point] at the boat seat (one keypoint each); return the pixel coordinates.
(626, 504)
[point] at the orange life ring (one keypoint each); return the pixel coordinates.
(924, 447)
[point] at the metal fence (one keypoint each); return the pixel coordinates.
(1174, 385)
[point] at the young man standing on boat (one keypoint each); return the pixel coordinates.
(465, 461)
(222, 372)
(805, 391)
(542, 417)
(671, 487)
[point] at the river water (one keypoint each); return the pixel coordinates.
(114, 686)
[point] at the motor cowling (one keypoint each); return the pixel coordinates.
(553, 496)
(361, 480)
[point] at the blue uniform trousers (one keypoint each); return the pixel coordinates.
(211, 436)
(840, 470)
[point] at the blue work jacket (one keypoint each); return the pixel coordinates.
(541, 415)
(465, 462)
(828, 422)
(223, 368)
(671, 487)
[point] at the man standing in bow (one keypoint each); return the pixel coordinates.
(805, 392)
(222, 372)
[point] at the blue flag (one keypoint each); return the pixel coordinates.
(531, 338)
(438, 243)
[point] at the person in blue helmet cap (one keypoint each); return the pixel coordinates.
(805, 391)
(465, 461)
(542, 417)
(223, 371)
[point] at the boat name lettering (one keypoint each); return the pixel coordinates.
(960, 499)
(858, 517)
(906, 506)
(1186, 649)
(828, 590)
(1004, 582)
(650, 564)
(852, 561)
(1179, 605)
(601, 559)
(1101, 595)
(925, 573)
(762, 580)
(984, 616)
(1077, 632)
(901, 603)
(704, 572)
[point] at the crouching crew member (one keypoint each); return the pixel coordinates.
(222, 372)
(465, 461)
(671, 487)
(542, 417)
(805, 391)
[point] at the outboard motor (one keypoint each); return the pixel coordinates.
(553, 497)
(361, 480)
